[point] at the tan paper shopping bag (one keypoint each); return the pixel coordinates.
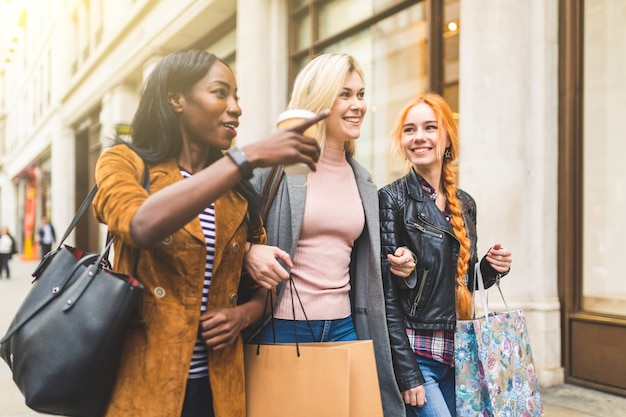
(336, 379)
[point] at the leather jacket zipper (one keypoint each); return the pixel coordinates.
(419, 293)
(423, 229)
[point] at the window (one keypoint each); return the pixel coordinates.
(604, 173)
(393, 43)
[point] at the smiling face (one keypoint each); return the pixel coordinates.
(421, 137)
(347, 112)
(209, 113)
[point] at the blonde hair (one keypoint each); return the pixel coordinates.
(445, 119)
(319, 83)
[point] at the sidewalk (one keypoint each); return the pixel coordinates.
(560, 401)
(12, 292)
(573, 401)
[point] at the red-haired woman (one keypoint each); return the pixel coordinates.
(425, 211)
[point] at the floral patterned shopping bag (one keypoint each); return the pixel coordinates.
(494, 370)
(472, 396)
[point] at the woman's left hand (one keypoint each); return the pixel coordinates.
(401, 262)
(499, 258)
(220, 327)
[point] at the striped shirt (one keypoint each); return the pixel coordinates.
(199, 367)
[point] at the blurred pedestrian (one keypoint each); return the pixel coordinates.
(7, 250)
(47, 237)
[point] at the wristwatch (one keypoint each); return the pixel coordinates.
(242, 162)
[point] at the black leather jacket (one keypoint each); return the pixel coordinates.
(426, 300)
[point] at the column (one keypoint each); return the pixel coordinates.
(118, 108)
(63, 179)
(508, 130)
(262, 59)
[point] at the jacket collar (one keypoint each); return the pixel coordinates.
(426, 208)
(413, 186)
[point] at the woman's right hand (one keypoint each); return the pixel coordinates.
(415, 396)
(261, 262)
(286, 146)
(401, 262)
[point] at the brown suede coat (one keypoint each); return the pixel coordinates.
(159, 343)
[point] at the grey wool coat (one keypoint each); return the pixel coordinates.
(284, 221)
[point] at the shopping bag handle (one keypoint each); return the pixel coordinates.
(269, 303)
(482, 293)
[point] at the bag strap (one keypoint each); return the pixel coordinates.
(145, 183)
(478, 283)
(480, 286)
(293, 289)
(268, 305)
(91, 275)
(271, 188)
(79, 214)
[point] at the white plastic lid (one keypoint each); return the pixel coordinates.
(294, 114)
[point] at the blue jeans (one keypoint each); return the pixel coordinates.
(4, 263)
(440, 395)
(291, 331)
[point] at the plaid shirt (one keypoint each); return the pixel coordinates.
(433, 344)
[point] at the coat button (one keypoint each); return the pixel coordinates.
(235, 247)
(233, 299)
(159, 292)
(166, 240)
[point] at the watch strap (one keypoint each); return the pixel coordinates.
(240, 159)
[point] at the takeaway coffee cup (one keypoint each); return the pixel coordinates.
(289, 118)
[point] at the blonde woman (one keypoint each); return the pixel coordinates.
(425, 211)
(327, 224)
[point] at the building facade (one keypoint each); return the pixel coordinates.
(536, 85)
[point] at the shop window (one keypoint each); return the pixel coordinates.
(604, 173)
(396, 46)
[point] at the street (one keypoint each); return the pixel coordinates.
(12, 292)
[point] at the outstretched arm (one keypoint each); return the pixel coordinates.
(171, 208)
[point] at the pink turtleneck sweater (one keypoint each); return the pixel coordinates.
(333, 220)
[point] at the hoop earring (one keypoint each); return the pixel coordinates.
(447, 153)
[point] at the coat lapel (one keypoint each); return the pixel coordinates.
(296, 186)
(166, 174)
(369, 199)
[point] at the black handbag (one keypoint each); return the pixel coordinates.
(65, 342)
